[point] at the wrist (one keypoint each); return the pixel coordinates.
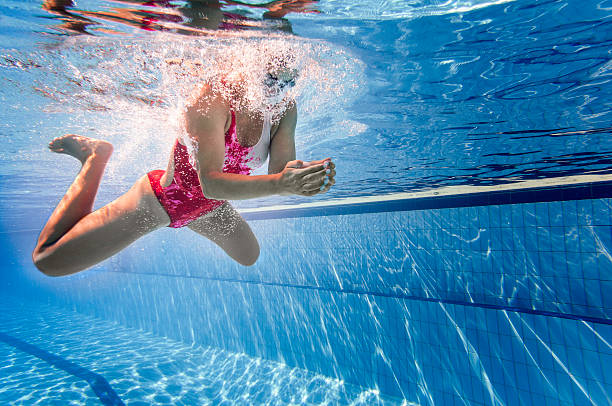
(277, 186)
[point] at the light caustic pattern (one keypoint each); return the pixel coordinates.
(141, 367)
(133, 92)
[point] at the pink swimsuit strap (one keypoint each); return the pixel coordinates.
(236, 156)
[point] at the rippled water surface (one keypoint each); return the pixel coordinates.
(408, 95)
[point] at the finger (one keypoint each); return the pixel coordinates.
(321, 189)
(325, 188)
(310, 193)
(316, 184)
(314, 177)
(319, 185)
(329, 184)
(320, 161)
(294, 164)
(330, 173)
(311, 169)
(313, 186)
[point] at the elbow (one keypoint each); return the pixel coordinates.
(207, 192)
(208, 186)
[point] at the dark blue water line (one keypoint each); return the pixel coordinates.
(98, 383)
(514, 309)
(592, 190)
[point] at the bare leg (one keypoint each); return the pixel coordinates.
(74, 238)
(226, 228)
(79, 199)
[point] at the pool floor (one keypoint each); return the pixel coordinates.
(51, 356)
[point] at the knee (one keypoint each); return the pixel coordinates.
(44, 264)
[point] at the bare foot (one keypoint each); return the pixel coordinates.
(81, 147)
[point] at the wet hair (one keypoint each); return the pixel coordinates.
(249, 65)
(259, 57)
(279, 58)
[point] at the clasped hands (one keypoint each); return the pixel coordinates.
(307, 178)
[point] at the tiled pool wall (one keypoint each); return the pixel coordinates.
(507, 303)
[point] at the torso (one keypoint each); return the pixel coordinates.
(249, 131)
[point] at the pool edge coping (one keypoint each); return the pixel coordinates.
(532, 191)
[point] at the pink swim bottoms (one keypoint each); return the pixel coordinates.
(183, 199)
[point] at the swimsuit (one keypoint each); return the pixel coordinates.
(183, 199)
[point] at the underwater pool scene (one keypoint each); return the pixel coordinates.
(463, 256)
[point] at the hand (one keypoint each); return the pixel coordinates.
(307, 178)
(331, 172)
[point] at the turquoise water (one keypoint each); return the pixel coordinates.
(485, 296)
(49, 358)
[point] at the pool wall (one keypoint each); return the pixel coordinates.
(497, 303)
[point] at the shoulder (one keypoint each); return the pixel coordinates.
(289, 116)
(207, 109)
(206, 101)
(287, 123)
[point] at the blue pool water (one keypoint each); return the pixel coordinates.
(463, 257)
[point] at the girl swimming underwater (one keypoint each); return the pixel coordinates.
(233, 135)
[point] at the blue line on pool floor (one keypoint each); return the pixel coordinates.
(514, 309)
(98, 383)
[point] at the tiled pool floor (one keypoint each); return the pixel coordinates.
(50, 356)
